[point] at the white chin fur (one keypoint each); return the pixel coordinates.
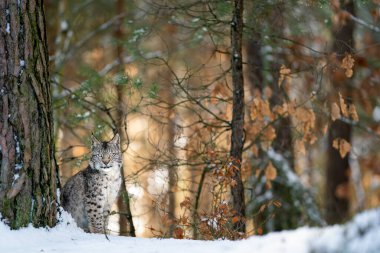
(112, 168)
(97, 166)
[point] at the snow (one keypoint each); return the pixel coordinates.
(157, 181)
(181, 141)
(64, 25)
(135, 191)
(359, 235)
(292, 178)
(376, 114)
(15, 177)
(8, 28)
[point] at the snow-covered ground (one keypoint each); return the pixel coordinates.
(361, 235)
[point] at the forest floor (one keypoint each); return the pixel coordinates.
(361, 235)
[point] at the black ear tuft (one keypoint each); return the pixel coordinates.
(115, 140)
(94, 140)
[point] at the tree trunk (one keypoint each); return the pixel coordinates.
(29, 178)
(337, 171)
(123, 203)
(168, 98)
(237, 123)
(255, 63)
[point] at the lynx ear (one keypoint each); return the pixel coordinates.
(115, 140)
(94, 140)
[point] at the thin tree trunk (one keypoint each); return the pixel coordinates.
(337, 171)
(197, 202)
(283, 142)
(237, 123)
(123, 203)
(172, 168)
(29, 178)
(255, 63)
(169, 99)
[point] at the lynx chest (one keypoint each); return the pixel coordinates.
(103, 187)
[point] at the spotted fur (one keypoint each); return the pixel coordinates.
(89, 195)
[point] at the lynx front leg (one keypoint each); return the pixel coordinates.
(95, 217)
(95, 201)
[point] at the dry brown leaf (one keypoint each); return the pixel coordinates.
(220, 89)
(184, 220)
(281, 109)
(166, 220)
(257, 173)
(335, 112)
(311, 138)
(186, 203)
(265, 109)
(352, 111)
(305, 120)
(270, 172)
(262, 208)
(235, 219)
(348, 64)
(233, 183)
(349, 72)
(310, 120)
(284, 75)
(269, 133)
(214, 100)
(178, 233)
(324, 129)
(228, 111)
(256, 128)
(343, 106)
(255, 150)
(260, 109)
(305, 115)
(254, 113)
(342, 146)
(336, 144)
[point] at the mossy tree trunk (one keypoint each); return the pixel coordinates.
(28, 175)
(237, 123)
(127, 227)
(337, 170)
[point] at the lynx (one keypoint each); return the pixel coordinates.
(89, 194)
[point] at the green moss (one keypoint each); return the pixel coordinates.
(6, 212)
(16, 211)
(22, 205)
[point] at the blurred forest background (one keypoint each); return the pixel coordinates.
(160, 74)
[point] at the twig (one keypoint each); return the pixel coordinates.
(363, 23)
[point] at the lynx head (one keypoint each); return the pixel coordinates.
(106, 156)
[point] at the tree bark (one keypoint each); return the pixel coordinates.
(123, 203)
(337, 171)
(29, 178)
(237, 123)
